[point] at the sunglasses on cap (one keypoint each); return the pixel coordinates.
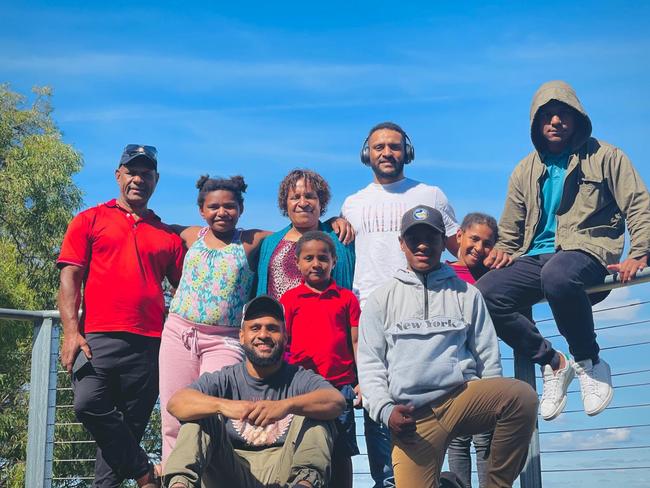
(132, 149)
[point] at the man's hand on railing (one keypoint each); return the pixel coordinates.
(497, 259)
(70, 347)
(628, 269)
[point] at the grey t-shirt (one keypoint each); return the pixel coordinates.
(235, 383)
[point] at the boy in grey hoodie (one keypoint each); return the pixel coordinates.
(425, 340)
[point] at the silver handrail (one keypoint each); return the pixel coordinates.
(43, 383)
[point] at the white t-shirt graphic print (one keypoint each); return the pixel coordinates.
(376, 212)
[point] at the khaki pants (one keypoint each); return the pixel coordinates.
(204, 457)
(506, 405)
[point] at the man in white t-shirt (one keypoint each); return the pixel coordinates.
(375, 213)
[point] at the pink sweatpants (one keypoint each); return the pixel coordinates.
(187, 350)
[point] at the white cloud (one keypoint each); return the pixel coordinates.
(566, 437)
(158, 112)
(203, 73)
(607, 438)
(598, 439)
(621, 304)
(536, 50)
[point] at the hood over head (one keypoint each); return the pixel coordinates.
(562, 92)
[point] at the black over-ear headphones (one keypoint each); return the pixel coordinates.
(409, 150)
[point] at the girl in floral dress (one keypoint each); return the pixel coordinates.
(201, 331)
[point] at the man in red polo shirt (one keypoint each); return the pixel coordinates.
(118, 253)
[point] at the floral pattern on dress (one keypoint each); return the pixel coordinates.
(216, 283)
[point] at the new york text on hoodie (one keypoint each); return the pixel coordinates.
(418, 342)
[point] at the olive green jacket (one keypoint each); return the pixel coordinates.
(602, 191)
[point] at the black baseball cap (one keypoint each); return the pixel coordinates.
(263, 304)
(140, 152)
(422, 215)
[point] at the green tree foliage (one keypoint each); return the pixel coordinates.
(37, 200)
(37, 195)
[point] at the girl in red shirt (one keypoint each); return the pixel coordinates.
(476, 238)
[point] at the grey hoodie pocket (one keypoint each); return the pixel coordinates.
(408, 381)
(424, 358)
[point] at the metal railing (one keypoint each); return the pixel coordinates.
(43, 393)
(523, 369)
(568, 451)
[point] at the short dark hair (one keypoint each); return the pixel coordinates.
(316, 181)
(315, 235)
(390, 126)
(480, 218)
(234, 184)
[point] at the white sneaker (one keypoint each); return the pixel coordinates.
(555, 386)
(595, 385)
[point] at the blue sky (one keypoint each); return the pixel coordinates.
(263, 87)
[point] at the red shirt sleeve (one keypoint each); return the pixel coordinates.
(354, 310)
(287, 302)
(77, 241)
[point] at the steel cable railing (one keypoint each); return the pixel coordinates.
(74, 448)
(593, 449)
(633, 372)
(615, 446)
(593, 429)
(615, 468)
(53, 436)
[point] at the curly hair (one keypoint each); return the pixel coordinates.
(311, 178)
(480, 218)
(234, 184)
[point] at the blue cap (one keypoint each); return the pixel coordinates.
(141, 153)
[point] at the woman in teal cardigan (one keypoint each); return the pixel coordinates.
(303, 197)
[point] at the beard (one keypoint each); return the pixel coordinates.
(263, 361)
(398, 168)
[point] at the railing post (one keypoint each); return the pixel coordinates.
(531, 476)
(42, 404)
